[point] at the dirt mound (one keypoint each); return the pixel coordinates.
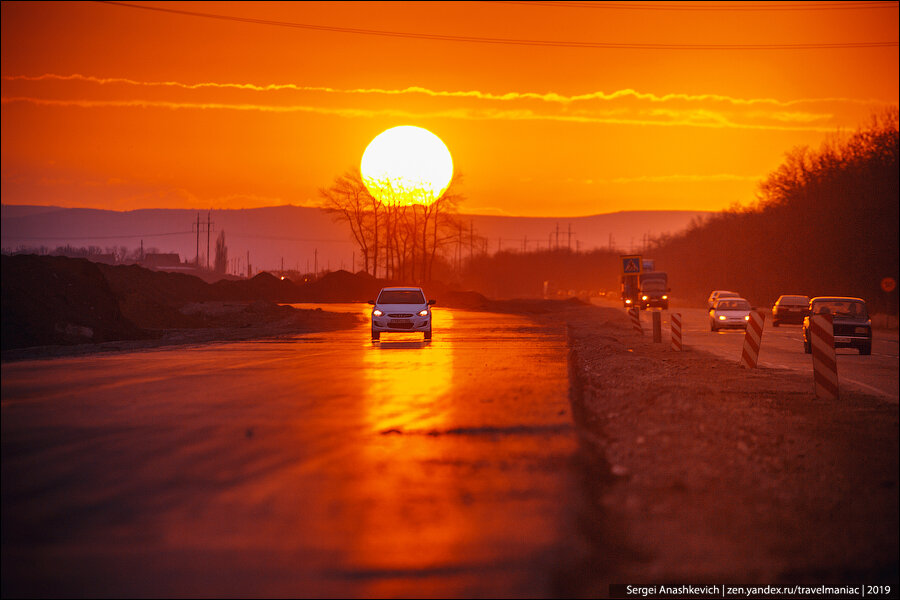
(56, 300)
(50, 300)
(264, 286)
(342, 286)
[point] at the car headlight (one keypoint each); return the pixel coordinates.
(377, 312)
(628, 301)
(665, 297)
(746, 317)
(643, 297)
(423, 312)
(721, 317)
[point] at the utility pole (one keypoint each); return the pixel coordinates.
(557, 236)
(197, 258)
(198, 227)
(208, 227)
(249, 270)
(570, 237)
(316, 263)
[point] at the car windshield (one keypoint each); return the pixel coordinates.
(733, 305)
(653, 284)
(841, 308)
(793, 301)
(401, 297)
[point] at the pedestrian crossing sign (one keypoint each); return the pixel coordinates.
(631, 265)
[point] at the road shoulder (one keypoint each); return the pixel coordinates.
(702, 471)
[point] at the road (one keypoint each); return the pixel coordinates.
(782, 348)
(324, 465)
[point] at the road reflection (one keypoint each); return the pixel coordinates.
(414, 523)
(406, 377)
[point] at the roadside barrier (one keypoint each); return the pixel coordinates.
(636, 319)
(675, 325)
(752, 339)
(821, 338)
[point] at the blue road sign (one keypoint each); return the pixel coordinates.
(631, 265)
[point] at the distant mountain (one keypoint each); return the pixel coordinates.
(303, 237)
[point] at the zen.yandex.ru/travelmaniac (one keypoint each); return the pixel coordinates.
(745, 591)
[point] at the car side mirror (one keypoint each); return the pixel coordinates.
(432, 302)
(372, 302)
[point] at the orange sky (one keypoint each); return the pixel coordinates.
(114, 107)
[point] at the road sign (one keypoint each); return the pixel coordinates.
(631, 265)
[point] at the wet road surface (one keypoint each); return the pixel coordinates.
(323, 465)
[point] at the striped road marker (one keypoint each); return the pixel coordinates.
(675, 324)
(752, 339)
(825, 378)
(636, 319)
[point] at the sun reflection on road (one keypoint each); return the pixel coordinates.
(407, 378)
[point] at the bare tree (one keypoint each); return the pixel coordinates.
(348, 199)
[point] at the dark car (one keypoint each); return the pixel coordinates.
(789, 309)
(852, 327)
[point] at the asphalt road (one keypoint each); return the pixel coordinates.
(320, 466)
(782, 348)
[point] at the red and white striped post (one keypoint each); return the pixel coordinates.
(821, 339)
(752, 339)
(635, 313)
(676, 331)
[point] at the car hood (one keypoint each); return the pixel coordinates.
(401, 308)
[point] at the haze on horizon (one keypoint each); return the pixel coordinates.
(645, 106)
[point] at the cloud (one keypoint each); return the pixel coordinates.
(664, 118)
(550, 97)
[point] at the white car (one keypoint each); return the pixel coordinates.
(716, 294)
(401, 309)
(729, 312)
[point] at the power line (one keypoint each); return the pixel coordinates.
(706, 6)
(99, 237)
(507, 41)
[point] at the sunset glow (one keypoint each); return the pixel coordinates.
(407, 165)
(550, 109)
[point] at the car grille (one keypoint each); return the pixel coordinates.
(400, 315)
(400, 324)
(847, 330)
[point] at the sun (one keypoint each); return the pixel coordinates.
(406, 165)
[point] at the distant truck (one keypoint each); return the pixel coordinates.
(631, 290)
(654, 290)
